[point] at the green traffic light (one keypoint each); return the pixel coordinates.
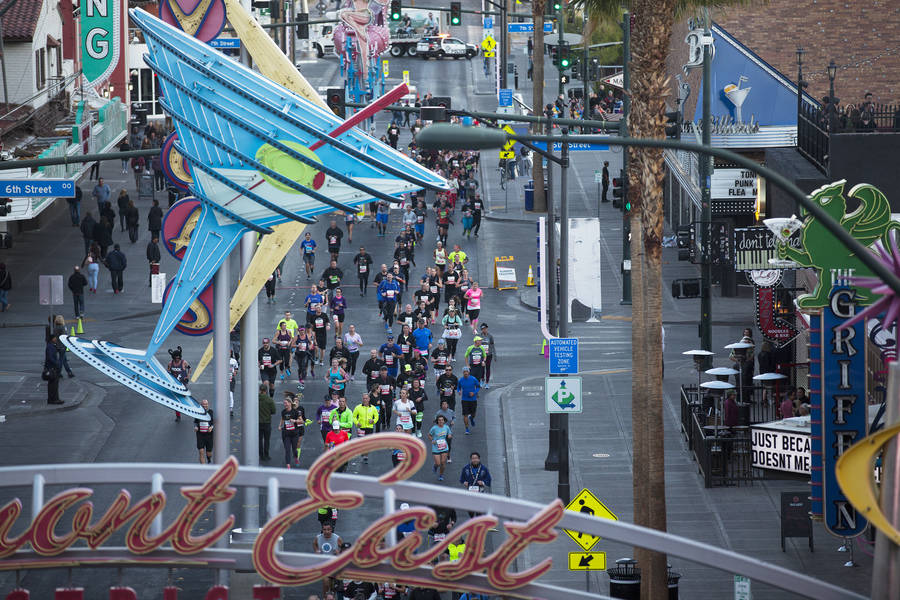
(627, 206)
(557, 5)
(395, 16)
(455, 21)
(564, 63)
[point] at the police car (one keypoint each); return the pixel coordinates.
(442, 46)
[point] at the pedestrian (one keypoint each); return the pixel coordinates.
(476, 356)
(468, 388)
(124, 146)
(132, 221)
(75, 206)
(154, 219)
(352, 342)
(473, 305)
(122, 203)
(103, 235)
(329, 543)
(59, 329)
(153, 258)
(159, 178)
(95, 171)
(77, 282)
(308, 250)
(180, 370)
(488, 340)
(270, 289)
(349, 222)
(266, 410)
(268, 360)
(440, 435)
(604, 178)
(87, 230)
(204, 431)
(51, 373)
(290, 426)
(91, 266)
(475, 476)
(304, 353)
(323, 415)
(283, 341)
(477, 211)
(5, 286)
(101, 193)
(116, 262)
(138, 163)
(363, 262)
(334, 235)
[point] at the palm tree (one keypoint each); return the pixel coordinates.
(537, 77)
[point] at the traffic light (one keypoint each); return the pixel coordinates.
(455, 13)
(302, 27)
(563, 79)
(564, 61)
(557, 5)
(673, 125)
(620, 191)
(396, 10)
(334, 97)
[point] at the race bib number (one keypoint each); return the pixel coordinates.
(389, 359)
(289, 425)
(360, 432)
(283, 343)
(405, 348)
(333, 278)
(475, 488)
(384, 389)
(420, 219)
(204, 427)
(440, 444)
(320, 323)
(401, 456)
(406, 421)
(303, 346)
(389, 294)
(333, 240)
(363, 268)
(326, 416)
(433, 289)
(267, 361)
(447, 391)
(440, 537)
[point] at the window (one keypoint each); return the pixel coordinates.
(40, 68)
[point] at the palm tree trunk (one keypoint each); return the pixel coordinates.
(537, 76)
(653, 21)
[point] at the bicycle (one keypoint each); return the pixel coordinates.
(504, 175)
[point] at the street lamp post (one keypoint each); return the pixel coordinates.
(832, 73)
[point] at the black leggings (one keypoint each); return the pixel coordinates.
(354, 356)
(303, 360)
(285, 355)
(487, 368)
(290, 447)
(451, 347)
(476, 222)
(363, 283)
(388, 312)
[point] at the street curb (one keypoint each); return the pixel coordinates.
(490, 217)
(84, 393)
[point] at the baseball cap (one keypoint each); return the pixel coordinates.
(390, 337)
(335, 425)
(265, 340)
(484, 325)
(465, 368)
(477, 338)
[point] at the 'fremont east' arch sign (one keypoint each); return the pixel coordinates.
(80, 540)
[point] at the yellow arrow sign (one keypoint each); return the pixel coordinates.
(384, 67)
(507, 151)
(406, 77)
(587, 503)
(489, 54)
(587, 561)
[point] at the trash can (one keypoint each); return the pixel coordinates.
(625, 580)
(673, 577)
(529, 195)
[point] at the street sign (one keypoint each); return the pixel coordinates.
(563, 395)
(586, 502)
(742, 588)
(563, 356)
(587, 561)
(406, 77)
(507, 151)
(225, 43)
(526, 27)
(574, 147)
(37, 188)
(50, 290)
(505, 97)
(488, 43)
(598, 176)
(384, 68)
(617, 80)
(489, 22)
(157, 287)
(489, 54)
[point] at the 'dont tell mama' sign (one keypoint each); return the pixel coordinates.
(55, 540)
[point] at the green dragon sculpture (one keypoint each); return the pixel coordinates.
(820, 249)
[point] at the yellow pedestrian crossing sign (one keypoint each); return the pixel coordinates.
(507, 151)
(488, 43)
(588, 503)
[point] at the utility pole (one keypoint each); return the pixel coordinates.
(562, 486)
(586, 107)
(706, 215)
(560, 27)
(623, 132)
(503, 40)
(552, 462)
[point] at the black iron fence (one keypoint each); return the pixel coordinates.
(724, 454)
(816, 123)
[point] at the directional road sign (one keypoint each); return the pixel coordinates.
(563, 355)
(576, 147)
(587, 561)
(505, 97)
(587, 502)
(563, 394)
(526, 27)
(227, 42)
(37, 188)
(489, 22)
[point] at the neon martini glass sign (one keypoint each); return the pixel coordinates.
(260, 156)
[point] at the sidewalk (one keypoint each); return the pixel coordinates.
(55, 249)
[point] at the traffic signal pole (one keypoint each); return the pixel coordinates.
(559, 26)
(623, 131)
(706, 215)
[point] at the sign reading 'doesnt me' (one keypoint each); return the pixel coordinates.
(780, 450)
